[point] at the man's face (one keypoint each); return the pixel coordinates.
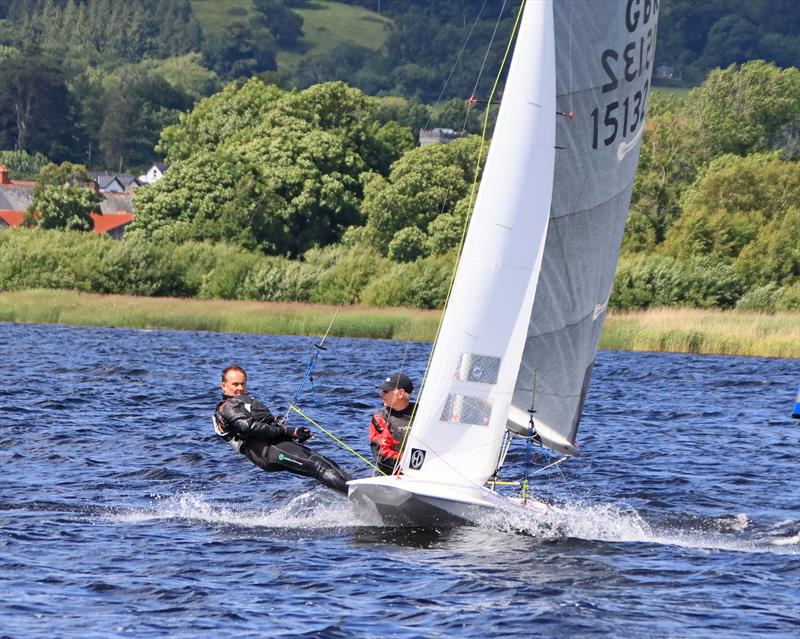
(235, 384)
(393, 397)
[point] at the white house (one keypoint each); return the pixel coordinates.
(154, 173)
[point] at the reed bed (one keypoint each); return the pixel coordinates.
(281, 318)
(661, 330)
(710, 332)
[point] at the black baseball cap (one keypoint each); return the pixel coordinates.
(397, 380)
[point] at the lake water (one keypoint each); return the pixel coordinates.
(123, 515)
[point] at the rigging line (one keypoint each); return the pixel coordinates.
(396, 467)
(483, 64)
(555, 463)
(336, 439)
(469, 102)
(469, 209)
(458, 59)
(311, 362)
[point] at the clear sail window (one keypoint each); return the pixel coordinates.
(482, 369)
(463, 409)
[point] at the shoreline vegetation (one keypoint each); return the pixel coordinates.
(676, 330)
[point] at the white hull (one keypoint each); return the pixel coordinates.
(399, 501)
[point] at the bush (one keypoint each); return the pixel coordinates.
(789, 300)
(421, 284)
(278, 279)
(654, 281)
(48, 259)
(227, 278)
(760, 298)
(351, 271)
(138, 267)
(444, 233)
(408, 244)
(194, 260)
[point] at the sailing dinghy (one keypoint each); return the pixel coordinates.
(523, 320)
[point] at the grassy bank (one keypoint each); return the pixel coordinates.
(84, 309)
(711, 332)
(663, 330)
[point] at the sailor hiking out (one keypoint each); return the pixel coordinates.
(251, 429)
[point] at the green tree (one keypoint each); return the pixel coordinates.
(184, 74)
(671, 156)
(200, 199)
(732, 40)
(35, 104)
(228, 115)
(456, 114)
(285, 168)
(136, 106)
(731, 204)
(63, 198)
(425, 183)
(408, 244)
(748, 108)
(240, 50)
(22, 165)
(65, 207)
(282, 22)
(773, 257)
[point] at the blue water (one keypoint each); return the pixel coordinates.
(123, 515)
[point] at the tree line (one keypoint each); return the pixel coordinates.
(321, 195)
(95, 82)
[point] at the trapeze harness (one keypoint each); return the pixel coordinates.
(251, 429)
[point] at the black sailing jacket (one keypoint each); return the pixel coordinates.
(246, 418)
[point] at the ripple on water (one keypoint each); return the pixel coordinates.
(121, 514)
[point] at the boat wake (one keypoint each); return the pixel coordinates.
(320, 509)
(315, 509)
(624, 524)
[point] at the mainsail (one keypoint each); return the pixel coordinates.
(533, 282)
(604, 60)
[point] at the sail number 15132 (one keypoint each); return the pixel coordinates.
(619, 118)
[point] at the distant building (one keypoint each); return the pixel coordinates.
(115, 182)
(667, 73)
(439, 136)
(10, 218)
(112, 224)
(116, 207)
(15, 195)
(154, 173)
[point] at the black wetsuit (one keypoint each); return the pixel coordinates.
(249, 426)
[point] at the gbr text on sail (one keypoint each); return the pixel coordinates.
(627, 70)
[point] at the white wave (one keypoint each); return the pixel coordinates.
(316, 509)
(794, 540)
(621, 523)
(320, 509)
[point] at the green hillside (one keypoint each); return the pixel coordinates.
(213, 15)
(325, 24)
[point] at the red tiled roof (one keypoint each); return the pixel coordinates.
(105, 222)
(12, 218)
